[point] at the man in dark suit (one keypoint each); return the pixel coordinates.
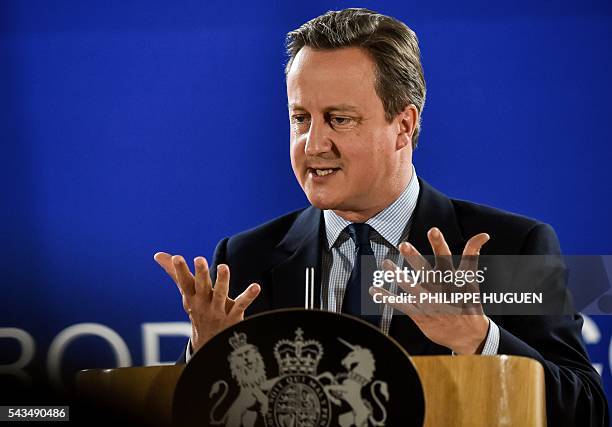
(356, 91)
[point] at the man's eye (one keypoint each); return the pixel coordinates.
(299, 120)
(342, 122)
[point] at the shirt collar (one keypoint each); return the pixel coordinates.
(389, 223)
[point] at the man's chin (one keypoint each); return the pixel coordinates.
(323, 206)
(323, 203)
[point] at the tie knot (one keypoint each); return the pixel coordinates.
(360, 233)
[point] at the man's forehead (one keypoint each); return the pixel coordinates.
(352, 55)
(331, 80)
(337, 67)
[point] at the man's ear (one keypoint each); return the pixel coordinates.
(407, 120)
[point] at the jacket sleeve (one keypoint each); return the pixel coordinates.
(574, 393)
(219, 257)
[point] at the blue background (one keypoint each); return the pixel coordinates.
(129, 127)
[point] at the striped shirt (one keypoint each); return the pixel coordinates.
(390, 227)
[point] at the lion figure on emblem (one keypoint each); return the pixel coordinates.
(248, 370)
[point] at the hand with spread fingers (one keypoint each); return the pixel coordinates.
(461, 327)
(210, 309)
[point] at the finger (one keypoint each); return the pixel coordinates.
(245, 299)
(473, 246)
(186, 281)
(203, 283)
(221, 289)
(444, 260)
(413, 257)
(469, 259)
(412, 287)
(388, 265)
(403, 277)
(165, 262)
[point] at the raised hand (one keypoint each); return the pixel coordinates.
(444, 324)
(210, 309)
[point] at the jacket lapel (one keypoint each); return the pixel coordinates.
(301, 248)
(434, 209)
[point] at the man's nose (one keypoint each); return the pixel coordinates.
(318, 140)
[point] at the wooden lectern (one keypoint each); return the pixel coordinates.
(459, 391)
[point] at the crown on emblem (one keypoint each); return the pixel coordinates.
(298, 356)
(238, 340)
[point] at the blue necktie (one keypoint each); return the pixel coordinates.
(365, 264)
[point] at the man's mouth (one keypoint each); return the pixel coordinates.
(322, 172)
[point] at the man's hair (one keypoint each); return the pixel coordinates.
(391, 44)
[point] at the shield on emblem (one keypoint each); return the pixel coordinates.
(299, 368)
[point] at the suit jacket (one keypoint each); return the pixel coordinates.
(275, 255)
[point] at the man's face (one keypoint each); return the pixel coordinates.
(344, 153)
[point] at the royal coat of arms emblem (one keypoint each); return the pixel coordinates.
(298, 396)
(299, 368)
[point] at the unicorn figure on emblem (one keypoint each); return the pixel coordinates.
(360, 365)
